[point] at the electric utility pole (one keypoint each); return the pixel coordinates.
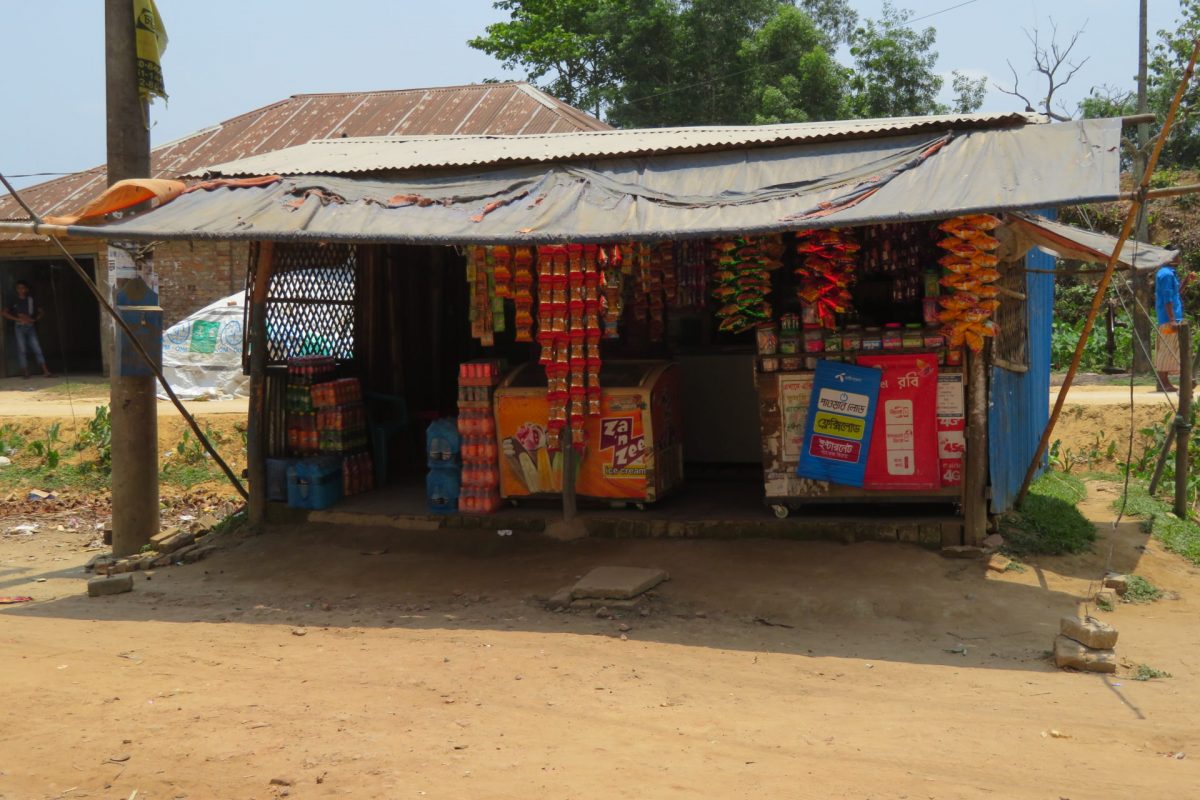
(1142, 328)
(133, 408)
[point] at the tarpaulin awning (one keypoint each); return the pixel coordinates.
(747, 190)
(1066, 241)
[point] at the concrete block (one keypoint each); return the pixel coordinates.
(1089, 632)
(111, 584)
(1070, 653)
(1106, 597)
(560, 599)
(909, 533)
(621, 583)
(1118, 583)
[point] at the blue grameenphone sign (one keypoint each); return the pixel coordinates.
(841, 414)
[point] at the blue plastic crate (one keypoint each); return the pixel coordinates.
(277, 479)
(314, 483)
(442, 487)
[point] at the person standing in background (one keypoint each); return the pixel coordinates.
(25, 313)
(1168, 302)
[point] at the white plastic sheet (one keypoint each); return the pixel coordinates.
(202, 354)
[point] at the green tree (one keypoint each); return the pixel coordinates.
(894, 67)
(643, 63)
(968, 92)
(1164, 72)
(562, 40)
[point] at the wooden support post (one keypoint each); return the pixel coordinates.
(256, 424)
(975, 478)
(1184, 422)
(133, 407)
(569, 501)
(1162, 457)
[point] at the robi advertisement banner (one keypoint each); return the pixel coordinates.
(837, 434)
(904, 446)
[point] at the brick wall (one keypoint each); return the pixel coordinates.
(193, 274)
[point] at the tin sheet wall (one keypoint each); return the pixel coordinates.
(1019, 404)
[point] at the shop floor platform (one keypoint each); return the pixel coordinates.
(715, 508)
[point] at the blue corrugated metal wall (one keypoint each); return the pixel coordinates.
(1019, 406)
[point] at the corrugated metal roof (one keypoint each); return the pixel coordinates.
(346, 156)
(477, 109)
(666, 196)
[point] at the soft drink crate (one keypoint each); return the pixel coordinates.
(346, 417)
(302, 436)
(308, 370)
(479, 373)
(479, 500)
(337, 393)
(298, 398)
(335, 441)
(314, 483)
(358, 475)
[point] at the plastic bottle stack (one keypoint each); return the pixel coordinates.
(303, 374)
(480, 493)
(341, 429)
(443, 453)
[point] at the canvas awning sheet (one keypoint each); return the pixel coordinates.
(1067, 241)
(677, 196)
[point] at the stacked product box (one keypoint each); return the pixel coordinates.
(341, 431)
(480, 493)
(303, 374)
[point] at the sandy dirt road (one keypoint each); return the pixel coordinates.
(433, 670)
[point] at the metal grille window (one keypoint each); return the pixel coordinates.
(1011, 348)
(310, 301)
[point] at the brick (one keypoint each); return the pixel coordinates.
(112, 584)
(1089, 632)
(171, 540)
(998, 563)
(1070, 653)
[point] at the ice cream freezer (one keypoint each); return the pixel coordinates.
(634, 449)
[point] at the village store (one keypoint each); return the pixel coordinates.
(604, 321)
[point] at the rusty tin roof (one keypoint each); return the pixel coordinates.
(477, 109)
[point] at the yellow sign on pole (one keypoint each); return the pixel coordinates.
(151, 44)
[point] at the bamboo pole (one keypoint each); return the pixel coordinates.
(1102, 288)
(256, 427)
(1183, 422)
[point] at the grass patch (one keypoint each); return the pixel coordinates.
(1145, 672)
(1177, 535)
(1141, 590)
(77, 477)
(1050, 523)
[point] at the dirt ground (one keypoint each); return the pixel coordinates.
(355, 663)
(350, 662)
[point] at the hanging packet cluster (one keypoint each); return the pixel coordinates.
(569, 312)
(970, 272)
(487, 278)
(826, 271)
(742, 282)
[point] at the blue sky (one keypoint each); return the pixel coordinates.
(227, 57)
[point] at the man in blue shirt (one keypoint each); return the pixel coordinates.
(25, 313)
(1169, 305)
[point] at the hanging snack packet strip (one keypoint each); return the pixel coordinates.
(827, 271)
(970, 271)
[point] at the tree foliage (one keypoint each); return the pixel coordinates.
(643, 63)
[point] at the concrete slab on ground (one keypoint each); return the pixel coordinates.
(618, 583)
